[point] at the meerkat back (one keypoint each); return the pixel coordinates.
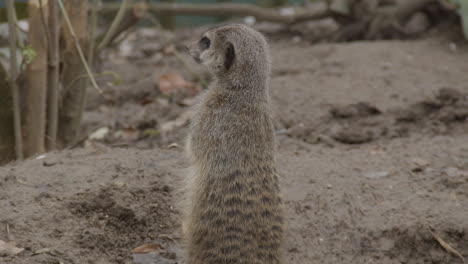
(235, 212)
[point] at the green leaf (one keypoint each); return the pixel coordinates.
(29, 54)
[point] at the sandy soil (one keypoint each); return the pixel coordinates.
(373, 153)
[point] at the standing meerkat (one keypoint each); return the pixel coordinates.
(234, 213)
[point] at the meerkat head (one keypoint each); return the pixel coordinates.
(233, 51)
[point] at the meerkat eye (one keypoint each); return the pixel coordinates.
(205, 43)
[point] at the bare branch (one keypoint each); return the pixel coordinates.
(53, 76)
(118, 19)
(131, 17)
(92, 40)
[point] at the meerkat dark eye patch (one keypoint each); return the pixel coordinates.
(204, 43)
(230, 55)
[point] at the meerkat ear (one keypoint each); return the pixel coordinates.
(230, 55)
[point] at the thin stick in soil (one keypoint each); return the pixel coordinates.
(446, 246)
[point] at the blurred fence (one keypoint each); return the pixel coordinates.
(168, 21)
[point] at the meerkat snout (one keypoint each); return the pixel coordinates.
(197, 48)
(216, 53)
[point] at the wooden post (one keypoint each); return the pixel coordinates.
(74, 85)
(35, 91)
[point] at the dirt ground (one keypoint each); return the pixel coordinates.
(373, 153)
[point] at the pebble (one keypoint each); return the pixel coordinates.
(377, 174)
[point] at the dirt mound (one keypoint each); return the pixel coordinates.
(445, 113)
(418, 243)
(117, 223)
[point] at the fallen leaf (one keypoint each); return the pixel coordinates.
(146, 100)
(99, 133)
(119, 184)
(146, 248)
(150, 132)
(172, 82)
(128, 133)
(169, 49)
(178, 122)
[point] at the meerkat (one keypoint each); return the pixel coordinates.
(235, 210)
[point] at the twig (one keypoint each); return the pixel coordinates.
(131, 17)
(7, 230)
(446, 246)
(53, 76)
(92, 40)
(18, 30)
(112, 29)
(44, 23)
(13, 79)
(116, 81)
(77, 44)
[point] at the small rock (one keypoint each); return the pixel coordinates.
(41, 157)
(377, 174)
(455, 172)
(173, 146)
(49, 163)
(119, 184)
(329, 186)
(42, 251)
(100, 133)
(418, 164)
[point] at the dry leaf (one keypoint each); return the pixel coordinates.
(146, 248)
(8, 249)
(169, 49)
(146, 100)
(128, 133)
(99, 133)
(172, 82)
(178, 122)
